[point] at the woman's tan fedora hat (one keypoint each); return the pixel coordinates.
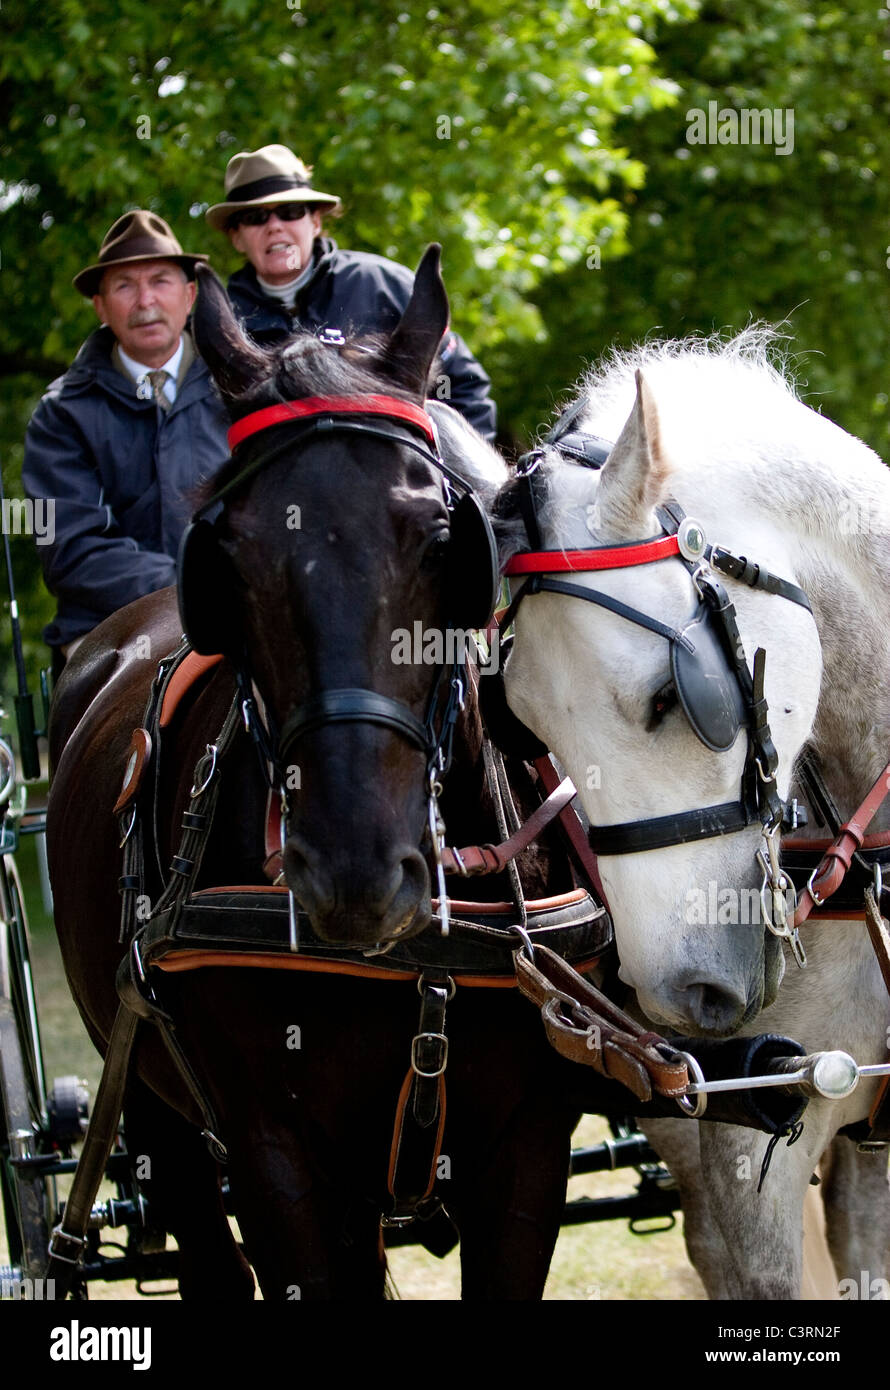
(137, 236)
(258, 178)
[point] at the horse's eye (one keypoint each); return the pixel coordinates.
(663, 701)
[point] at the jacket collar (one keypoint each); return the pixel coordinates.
(94, 365)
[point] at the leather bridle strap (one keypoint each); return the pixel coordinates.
(311, 406)
(492, 859)
(835, 863)
(614, 605)
(586, 1027)
(351, 706)
(611, 557)
(747, 572)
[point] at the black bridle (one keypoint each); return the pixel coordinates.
(397, 422)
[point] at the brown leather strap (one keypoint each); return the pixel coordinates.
(189, 670)
(138, 759)
(414, 1155)
(584, 1026)
(69, 1237)
(573, 830)
(879, 1115)
(491, 859)
(880, 937)
(836, 861)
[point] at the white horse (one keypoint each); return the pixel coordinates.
(720, 429)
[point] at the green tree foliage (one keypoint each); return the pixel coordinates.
(545, 146)
(721, 233)
(488, 128)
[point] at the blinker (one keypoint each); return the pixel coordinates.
(708, 690)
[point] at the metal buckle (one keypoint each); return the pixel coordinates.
(529, 462)
(700, 576)
(56, 1254)
(331, 337)
(819, 901)
(527, 944)
(418, 1037)
(452, 987)
(211, 754)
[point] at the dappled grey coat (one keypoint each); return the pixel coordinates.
(120, 472)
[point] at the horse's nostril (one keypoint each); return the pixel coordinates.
(715, 1009)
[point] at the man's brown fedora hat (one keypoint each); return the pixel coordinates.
(137, 236)
(259, 178)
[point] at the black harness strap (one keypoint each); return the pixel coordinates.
(420, 1118)
(614, 605)
(350, 706)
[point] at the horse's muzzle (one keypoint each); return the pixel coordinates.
(359, 904)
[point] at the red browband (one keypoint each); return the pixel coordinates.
(332, 405)
(599, 558)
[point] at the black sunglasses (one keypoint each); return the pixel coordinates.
(258, 217)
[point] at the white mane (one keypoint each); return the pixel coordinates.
(729, 408)
(741, 452)
(467, 452)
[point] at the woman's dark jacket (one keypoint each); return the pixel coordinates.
(360, 293)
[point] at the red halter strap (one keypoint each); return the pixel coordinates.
(389, 406)
(601, 558)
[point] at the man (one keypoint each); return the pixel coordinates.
(296, 278)
(121, 439)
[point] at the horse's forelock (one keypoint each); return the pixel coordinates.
(464, 450)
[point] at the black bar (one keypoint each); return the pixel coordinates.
(628, 1152)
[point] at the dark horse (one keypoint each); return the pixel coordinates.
(309, 610)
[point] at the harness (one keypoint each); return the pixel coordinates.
(709, 671)
(719, 695)
(253, 926)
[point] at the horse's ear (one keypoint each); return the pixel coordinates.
(634, 478)
(412, 349)
(235, 362)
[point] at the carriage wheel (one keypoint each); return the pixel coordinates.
(28, 1196)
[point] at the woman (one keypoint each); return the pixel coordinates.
(296, 278)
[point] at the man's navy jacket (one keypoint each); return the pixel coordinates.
(120, 472)
(360, 293)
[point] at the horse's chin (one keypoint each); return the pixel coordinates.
(710, 1018)
(356, 930)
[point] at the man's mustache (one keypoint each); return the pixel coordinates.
(140, 318)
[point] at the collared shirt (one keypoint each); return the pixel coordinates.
(139, 372)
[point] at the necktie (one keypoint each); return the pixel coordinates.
(157, 379)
